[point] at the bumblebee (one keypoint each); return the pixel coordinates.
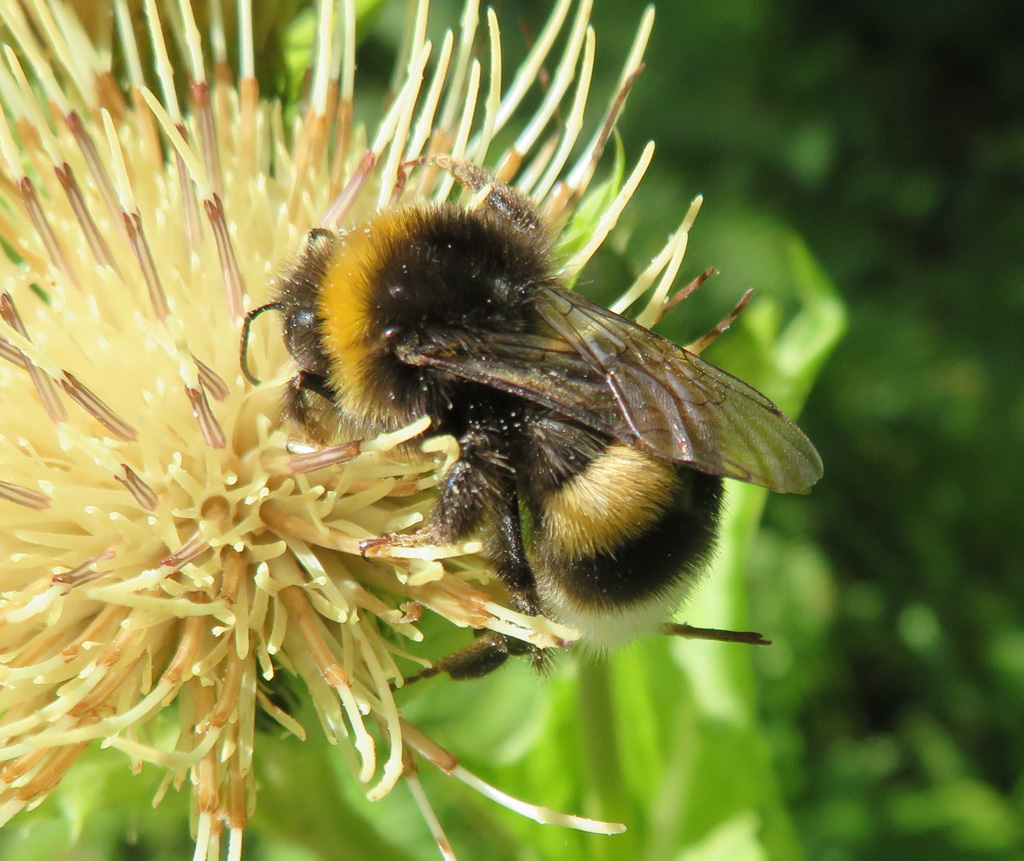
(592, 450)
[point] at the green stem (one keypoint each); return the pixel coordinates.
(602, 752)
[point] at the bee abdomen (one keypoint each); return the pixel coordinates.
(621, 544)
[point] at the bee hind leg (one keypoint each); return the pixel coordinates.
(489, 651)
(480, 658)
(750, 638)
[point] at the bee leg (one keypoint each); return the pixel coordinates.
(507, 553)
(480, 658)
(483, 656)
(473, 487)
(467, 493)
(296, 397)
(750, 638)
(477, 483)
(310, 382)
(504, 199)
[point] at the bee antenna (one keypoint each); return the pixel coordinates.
(243, 350)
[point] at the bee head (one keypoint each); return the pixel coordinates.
(297, 297)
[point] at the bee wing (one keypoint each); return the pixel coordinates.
(621, 379)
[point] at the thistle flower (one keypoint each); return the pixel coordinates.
(166, 552)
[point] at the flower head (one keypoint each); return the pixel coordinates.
(166, 551)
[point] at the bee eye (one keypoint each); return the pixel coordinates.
(299, 322)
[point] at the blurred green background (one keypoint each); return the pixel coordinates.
(866, 150)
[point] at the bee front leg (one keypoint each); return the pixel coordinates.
(300, 408)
